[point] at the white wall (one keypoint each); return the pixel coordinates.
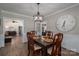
(1, 41)
(1, 31)
(28, 21)
(71, 38)
(10, 26)
(71, 42)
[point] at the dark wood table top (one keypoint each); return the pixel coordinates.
(42, 42)
(45, 45)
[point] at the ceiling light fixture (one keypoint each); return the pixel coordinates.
(38, 16)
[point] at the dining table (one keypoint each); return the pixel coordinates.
(42, 42)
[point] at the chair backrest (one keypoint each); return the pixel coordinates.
(49, 34)
(30, 34)
(57, 44)
(31, 43)
(30, 40)
(33, 33)
(60, 38)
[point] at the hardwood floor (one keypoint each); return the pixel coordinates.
(17, 48)
(66, 52)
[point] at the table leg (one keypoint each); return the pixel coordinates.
(44, 51)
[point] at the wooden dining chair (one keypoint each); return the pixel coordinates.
(28, 38)
(32, 47)
(49, 34)
(55, 50)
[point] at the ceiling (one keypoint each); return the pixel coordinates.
(30, 9)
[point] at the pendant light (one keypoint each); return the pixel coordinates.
(38, 16)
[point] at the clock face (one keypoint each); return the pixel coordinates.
(66, 23)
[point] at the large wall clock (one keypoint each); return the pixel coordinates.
(65, 23)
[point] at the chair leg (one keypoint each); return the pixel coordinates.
(28, 52)
(59, 53)
(37, 53)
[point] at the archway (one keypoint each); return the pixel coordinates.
(13, 30)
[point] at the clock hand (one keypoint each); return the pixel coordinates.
(63, 24)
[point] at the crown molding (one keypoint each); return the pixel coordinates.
(15, 14)
(62, 10)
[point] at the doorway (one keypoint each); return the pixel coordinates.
(16, 27)
(20, 30)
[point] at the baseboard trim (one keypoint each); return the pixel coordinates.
(69, 50)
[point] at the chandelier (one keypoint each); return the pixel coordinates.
(38, 16)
